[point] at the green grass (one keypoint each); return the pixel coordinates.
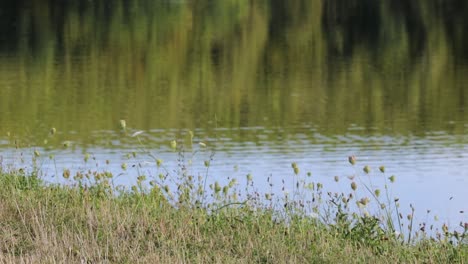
(43, 223)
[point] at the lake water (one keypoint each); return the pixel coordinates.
(262, 83)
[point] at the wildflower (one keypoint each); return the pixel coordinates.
(123, 124)
(445, 228)
(66, 174)
(141, 178)
(249, 177)
(173, 144)
(217, 187)
(296, 170)
(377, 192)
(382, 169)
(364, 201)
(232, 183)
(366, 169)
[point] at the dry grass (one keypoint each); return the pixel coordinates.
(46, 224)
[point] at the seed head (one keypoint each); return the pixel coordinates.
(366, 169)
(66, 174)
(353, 186)
(445, 228)
(337, 179)
(232, 183)
(141, 178)
(352, 159)
(123, 124)
(249, 177)
(392, 178)
(296, 170)
(53, 131)
(217, 187)
(364, 201)
(377, 192)
(173, 144)
(382, 169)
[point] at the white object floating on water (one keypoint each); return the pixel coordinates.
(137, 133)
(145, 163)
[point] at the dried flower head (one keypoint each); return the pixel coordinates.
(366, 169)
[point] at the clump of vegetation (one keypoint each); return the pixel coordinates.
(179, 216)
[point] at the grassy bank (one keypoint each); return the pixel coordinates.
(71, 224)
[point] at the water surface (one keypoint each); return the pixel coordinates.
(262, 83)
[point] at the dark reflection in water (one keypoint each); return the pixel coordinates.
(391, 67)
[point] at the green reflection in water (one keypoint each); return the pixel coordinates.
(387, 68)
